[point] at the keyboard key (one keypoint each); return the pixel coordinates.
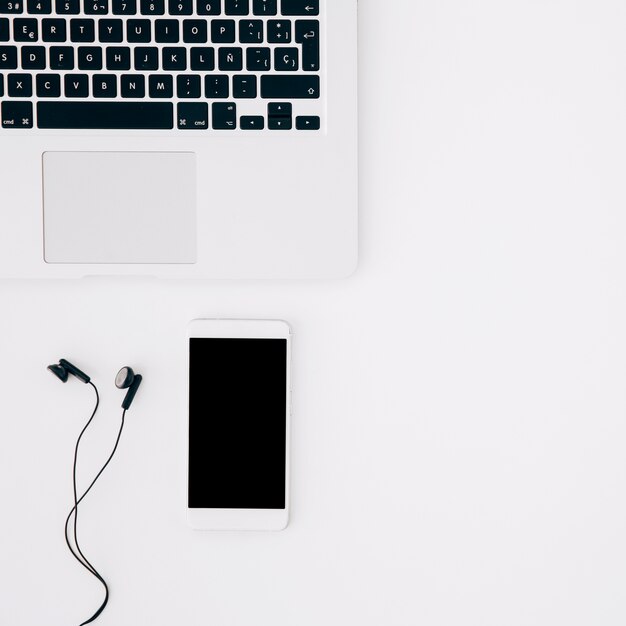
(104, 86)
(76, 86)
(89, 58)
(33, 58)
(96, 7)
(25, 29)
(308, 34)
(118, 58)
(180, 7)
(53, 30)
(300, 7)
(8, 58)
(11, 6)
(223, 31)
(4, 29)
(244, 86)
(279, 123)
(307, 122)
(146, 59)
(105, 115)
(67, 7)
(279, 109)
(224, 115)
(279, 31)
(252, 122)
(209, 7)
(124, 7)
(296, 86)
(17, 114)
(230, 59)
(216, 86)
(133, 86)
(82, 31)
(1, 85)
(152, 7)
(237, 7)
(188, 86)
(111, 31)
(175, 59)
(251, 31)
(195, 31)
(264, 7)
(193, 116)
(61, 58)
(48, 85)
(166, 31)
(20, 85)
(138, 31)
(161, 86)
(258, 59)
(203, 59)
(39, 7)
(286, 59)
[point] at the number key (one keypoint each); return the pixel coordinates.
(180, 7)
(67, 7)
(209, 7)
(152, 7)
(96, 7)
(124, 7)
(40, 7)
(11, 6)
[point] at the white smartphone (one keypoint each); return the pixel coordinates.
(239, 424)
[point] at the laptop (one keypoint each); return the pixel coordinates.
(178, 138)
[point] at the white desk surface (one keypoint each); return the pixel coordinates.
(459, 404)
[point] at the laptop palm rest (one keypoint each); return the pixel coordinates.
(119, 207)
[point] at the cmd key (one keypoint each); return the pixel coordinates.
(17, 115)
(300, 7)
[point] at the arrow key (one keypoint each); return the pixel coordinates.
(307, 122)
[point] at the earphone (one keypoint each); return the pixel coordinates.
(125, 379)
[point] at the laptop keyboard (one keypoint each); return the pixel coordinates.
(188, 65)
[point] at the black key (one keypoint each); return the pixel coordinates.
(39, 7)
(76, 86)
(308, 34)
(67, 7)
(61, 58)
(251, 31)
(258, 59)
(286, 59)
(133, 86)
(202, 59)
(244, 86)
(104, 86)
(152, 7)
(188, 86)
(279, 123)
(224, 115)
(33, 58)
(230, 59)
(48, 85)
(11, 6)
(223, 31)
(216, 86)
(8, 58)
(96, 7)
(124, 7)
(296, 86)
(279, 116)
(17, 115)
(166, 31)
(20, 85)
(264, 7)
(106, 115)
(89, 58)
(25, 29)
(83, 31)
(209, 7)
(307, 122)
(300, 7)
(53, 30)
(195, 31)
(237, 7)
(118, 58)
(4, 29)
(180, 7)
(252, 122)
(138, 31)
(110, 31)
(279, 31)
(193, 116)
(161, 86)
(146, 59)
(175, 59)
(1, 85)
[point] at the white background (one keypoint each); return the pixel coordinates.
(459, 403)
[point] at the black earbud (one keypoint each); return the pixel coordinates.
(64, 368)
(127, 379)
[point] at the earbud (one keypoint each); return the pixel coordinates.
(64, 368)
(127, 379)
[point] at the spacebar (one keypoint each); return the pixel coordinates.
(105, 115)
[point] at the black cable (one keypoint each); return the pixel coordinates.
(82, 559)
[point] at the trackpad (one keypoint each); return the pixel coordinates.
(119, 207)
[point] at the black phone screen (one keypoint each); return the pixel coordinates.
(237, 423)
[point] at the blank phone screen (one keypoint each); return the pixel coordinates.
(237, 423)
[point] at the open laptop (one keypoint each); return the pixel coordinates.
(178, 138)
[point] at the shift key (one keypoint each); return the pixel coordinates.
(282, 87)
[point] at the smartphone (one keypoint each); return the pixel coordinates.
(239, 423)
